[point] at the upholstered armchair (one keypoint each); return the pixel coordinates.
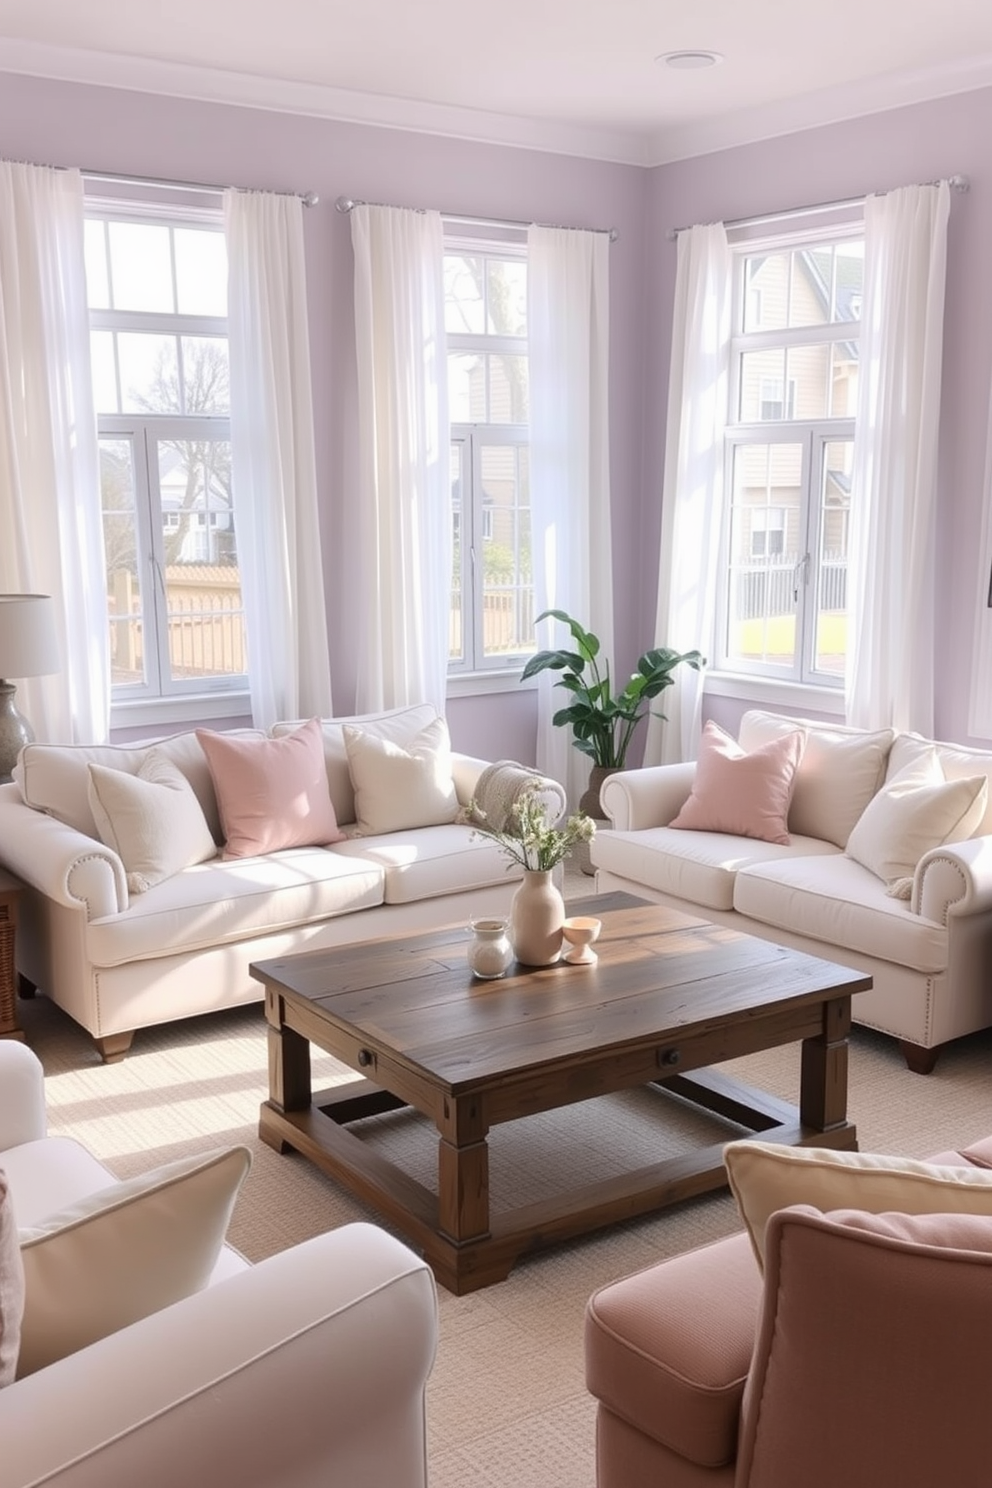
(861, 1358)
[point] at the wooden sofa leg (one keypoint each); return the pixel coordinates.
(114, 1046)
(921, 1061)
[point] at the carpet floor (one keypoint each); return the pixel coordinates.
(507, 1405)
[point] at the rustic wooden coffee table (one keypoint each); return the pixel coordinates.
(668, 995)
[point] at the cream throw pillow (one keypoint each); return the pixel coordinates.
(152, 820)
(124, 1252)
(916, 811)
(397, 787)
(765, 1177)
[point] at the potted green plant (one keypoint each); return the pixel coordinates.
(602, 720)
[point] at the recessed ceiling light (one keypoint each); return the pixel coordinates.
(690, 59)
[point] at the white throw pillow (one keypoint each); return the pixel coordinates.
(839, 773)
(125, 1252)
(152, 820)
(397, 787)
(916, 811)
(765, 1177)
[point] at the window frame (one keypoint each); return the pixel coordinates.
(474, 670)
(161, 698)
(813, 434)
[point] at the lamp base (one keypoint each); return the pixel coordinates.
(15, 731)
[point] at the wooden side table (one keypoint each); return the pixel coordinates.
(10, 892)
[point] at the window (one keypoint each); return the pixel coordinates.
(492, 604)
(790, 442)
(157, 289)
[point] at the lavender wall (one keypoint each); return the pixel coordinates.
(104, 129)
(925, 142)
(113, 130)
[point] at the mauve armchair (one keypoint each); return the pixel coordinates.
(862, 1359)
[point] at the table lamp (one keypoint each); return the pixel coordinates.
(28, 648)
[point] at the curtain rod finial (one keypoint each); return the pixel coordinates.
(345, 203)
(310, 199)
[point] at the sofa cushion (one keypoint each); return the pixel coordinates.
(129, 1250)
(765, 1177)
(837, 902)
(745, 792)
(432, 861)
(915, 811)
(887, 1318)
(271, 793)
(224, 902)
(667, 1349)
(55, 777)
(700, 868)
(151, 819)
(956, 761)
(840, 771)
(397, 724)
(398, 786)
(11, 1286)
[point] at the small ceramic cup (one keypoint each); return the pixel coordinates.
(580, 931)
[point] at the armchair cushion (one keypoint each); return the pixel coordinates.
(124, 1252)
(886, 1319)
(11, 1287)
(765, 1177)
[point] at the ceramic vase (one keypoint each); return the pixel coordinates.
(489, 954)
(537, 913)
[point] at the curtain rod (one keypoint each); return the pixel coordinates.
(956, 183)
(347, 203)
(308, 198)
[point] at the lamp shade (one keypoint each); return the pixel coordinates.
(28, 644)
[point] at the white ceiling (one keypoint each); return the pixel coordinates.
(575, 76)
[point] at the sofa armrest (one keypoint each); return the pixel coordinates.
(652, 797)
(22, 1096)
(955, 879)
(465, 770)
(61, 863)
(307, 1368)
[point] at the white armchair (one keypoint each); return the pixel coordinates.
(309, 1368)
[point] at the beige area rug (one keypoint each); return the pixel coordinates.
(507, 1402)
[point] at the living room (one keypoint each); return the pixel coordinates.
(142, 120)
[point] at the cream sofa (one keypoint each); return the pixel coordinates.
(118, 961)
(309, 1368)
(930, 957)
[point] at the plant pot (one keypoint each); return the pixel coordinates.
(590, 804)
(537, 913)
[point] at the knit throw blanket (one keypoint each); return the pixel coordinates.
(497, 791)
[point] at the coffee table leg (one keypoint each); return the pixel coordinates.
(289, 1072)
(463, 1173)
(823, 1080)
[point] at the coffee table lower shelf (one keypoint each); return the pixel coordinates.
(320, 1133)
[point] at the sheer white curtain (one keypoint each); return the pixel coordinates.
(692, 497)
(568, 340)
(275, 483)
(404, 496)
(894, 480)
(51, 539)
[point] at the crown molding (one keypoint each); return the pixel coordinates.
(835, 105)
(215, 85)
(644, 147)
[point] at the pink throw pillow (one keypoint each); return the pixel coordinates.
(745, 794)
(271, 793)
